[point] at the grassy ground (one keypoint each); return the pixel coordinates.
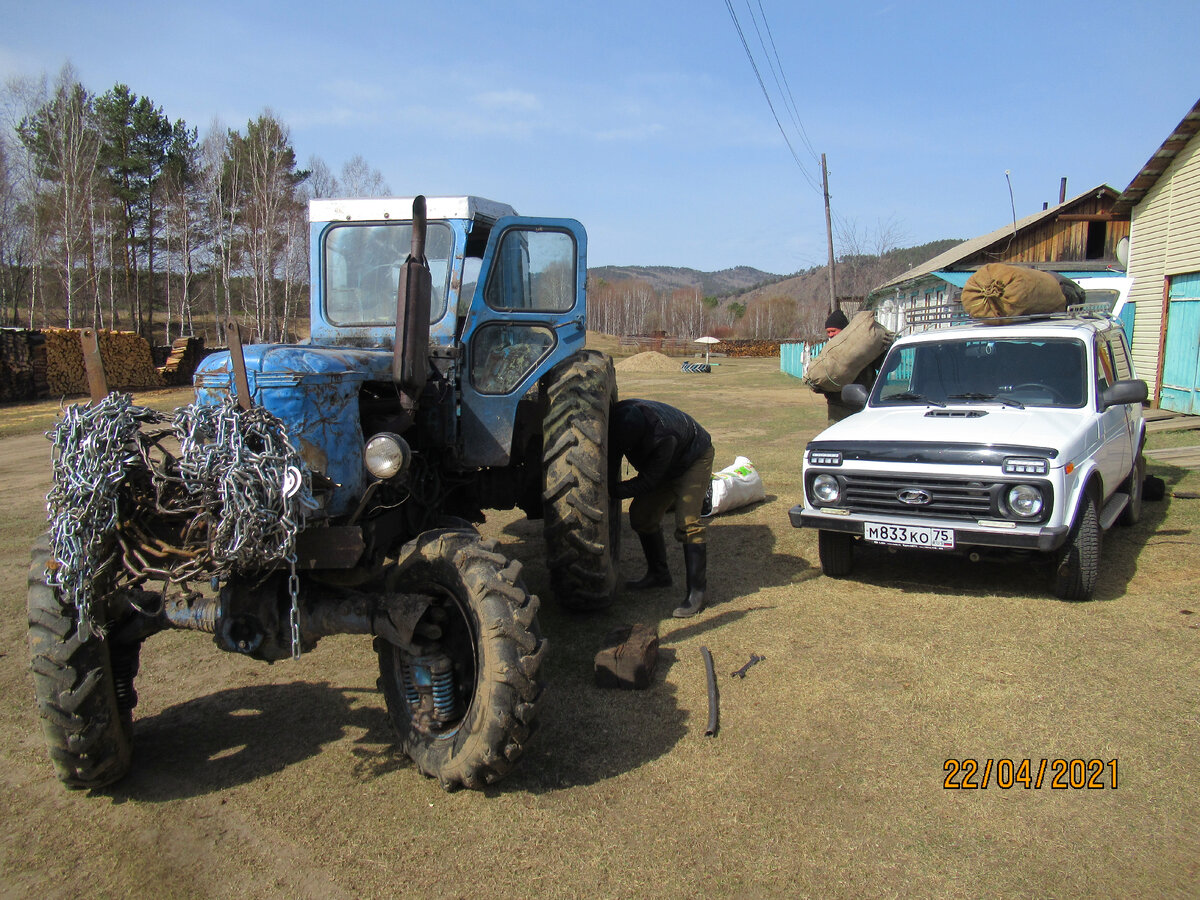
(825, 779)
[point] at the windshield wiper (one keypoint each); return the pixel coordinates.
(1007, 401)
(910, 397)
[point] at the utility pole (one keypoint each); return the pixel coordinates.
(828, 233)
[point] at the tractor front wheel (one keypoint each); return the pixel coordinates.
(465, 706)
(88, 733)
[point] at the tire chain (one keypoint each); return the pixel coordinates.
(93, 449)
(238, 469)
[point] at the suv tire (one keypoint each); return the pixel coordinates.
(1079, 559)
(1134, 486)
(836, 550)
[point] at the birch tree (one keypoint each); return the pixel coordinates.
(64, 140)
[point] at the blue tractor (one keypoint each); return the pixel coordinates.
(333, 486)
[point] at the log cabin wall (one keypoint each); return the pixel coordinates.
(1087, 232)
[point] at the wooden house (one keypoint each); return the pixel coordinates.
(1163, 201)
(1079, 238)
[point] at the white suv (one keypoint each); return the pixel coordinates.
(981, 437)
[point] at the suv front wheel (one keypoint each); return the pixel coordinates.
(1079, 559)
(836, 550)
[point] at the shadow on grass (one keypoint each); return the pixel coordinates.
(237, 736)
(1015, 574)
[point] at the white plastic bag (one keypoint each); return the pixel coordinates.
(735, 486)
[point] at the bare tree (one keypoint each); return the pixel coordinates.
(64, 139)
(19, 100)
(321, 180)
(359, 179)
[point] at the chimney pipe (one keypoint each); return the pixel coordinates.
(1062, 190)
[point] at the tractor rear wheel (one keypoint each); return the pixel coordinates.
(465, 708)
(88, 733)
(582, 522)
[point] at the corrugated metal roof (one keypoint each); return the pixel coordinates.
(974, 245)
(1159, 162)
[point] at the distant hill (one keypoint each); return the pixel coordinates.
(855, 277)
(743, 301)
(669, 278)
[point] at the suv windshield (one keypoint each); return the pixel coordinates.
(362, 270)
(1011, 371)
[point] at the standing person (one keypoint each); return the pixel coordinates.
(837, 410)
(673, 456)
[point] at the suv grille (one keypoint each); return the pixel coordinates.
(958, 498)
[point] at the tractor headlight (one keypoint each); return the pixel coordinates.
(1025, 500)
(826, 488)
(387, 455)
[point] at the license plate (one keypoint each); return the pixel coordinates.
(909, 536)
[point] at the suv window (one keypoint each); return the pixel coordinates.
(1031, 371)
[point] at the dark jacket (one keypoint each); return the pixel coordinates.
(658, 440)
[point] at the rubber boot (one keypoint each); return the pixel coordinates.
(658, 573)
(695, 560)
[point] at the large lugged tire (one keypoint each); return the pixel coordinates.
(484, 621)
(582, 523)
(836, 551)
(87, 733)
(1079, 558)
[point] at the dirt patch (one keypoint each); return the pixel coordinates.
(648, 361)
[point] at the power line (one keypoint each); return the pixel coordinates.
(758, 75)
(789, 100)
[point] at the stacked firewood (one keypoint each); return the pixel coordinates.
(128, 363)
(748, 348)
(186, 354)
(19, 364)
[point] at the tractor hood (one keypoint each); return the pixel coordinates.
(314, 391)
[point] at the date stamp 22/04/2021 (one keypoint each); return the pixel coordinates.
(1030, 774)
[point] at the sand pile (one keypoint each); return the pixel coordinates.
(649, 361)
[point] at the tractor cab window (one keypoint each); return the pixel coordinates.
(533, 270)
(362, 270)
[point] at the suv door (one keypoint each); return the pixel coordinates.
(527, 314)
(1117, 422)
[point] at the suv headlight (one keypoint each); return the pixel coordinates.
(1025, 501)
(826, 489)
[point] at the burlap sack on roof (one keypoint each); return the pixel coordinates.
(998, 290)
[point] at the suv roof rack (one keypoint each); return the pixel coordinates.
(950, 314)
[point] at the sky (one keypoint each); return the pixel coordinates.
(646, 120)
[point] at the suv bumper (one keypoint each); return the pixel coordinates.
(965, 534)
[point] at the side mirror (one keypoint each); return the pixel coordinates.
(1123, 392)
(855, 396)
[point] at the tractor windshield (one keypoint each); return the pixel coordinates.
(362, 270)
(1014, 372)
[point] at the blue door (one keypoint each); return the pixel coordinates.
(1181, 355)
(527, 315)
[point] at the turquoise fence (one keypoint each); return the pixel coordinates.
(793, 358)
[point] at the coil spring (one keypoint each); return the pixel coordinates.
(125, 665)
(410, 688)
(443, 692)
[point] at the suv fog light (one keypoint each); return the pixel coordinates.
(826, 489)
(1024, 500)
(387, 455)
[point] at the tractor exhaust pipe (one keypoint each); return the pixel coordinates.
(410, 360)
